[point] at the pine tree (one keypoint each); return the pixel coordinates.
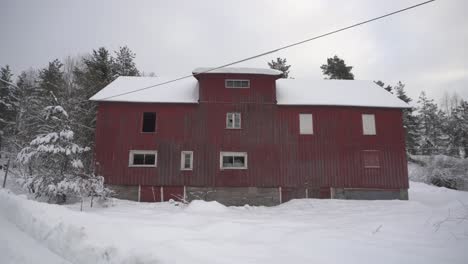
(8, 105)
(430, 126)
(124, 64)
(52, 80)
(382, 84)
(54, 158)
(336, 68)
(410, 122)
(98, 71)
(31, 103)
(457, 130)
(281, 65)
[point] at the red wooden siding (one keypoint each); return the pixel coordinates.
(277, 154)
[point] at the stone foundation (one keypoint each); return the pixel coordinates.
(369, 194)
(126, 192)
(239, 196)
(235, 196)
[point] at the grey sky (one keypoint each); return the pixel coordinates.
(426, 48)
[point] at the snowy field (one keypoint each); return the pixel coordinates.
(430, 228)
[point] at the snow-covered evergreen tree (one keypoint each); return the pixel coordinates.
(8, 106)
(457, 130)
(54, 160)
(430, 127)
(280, 65)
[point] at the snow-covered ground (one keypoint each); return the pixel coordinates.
(430, 228)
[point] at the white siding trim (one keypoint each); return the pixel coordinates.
(306, 125)
(182, 160)
(139, 193)
(280, 195)
(368, 124)
(162, 194)
(233, 115)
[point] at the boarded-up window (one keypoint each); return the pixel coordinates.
(368, 124)
(233, 120)
(142, 158)
(186, 160)
(371, 159)
(305, 124)
(149, 122)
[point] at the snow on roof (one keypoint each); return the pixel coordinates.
(260, 71)
(182, 91)
(288, 92)
(335, 92)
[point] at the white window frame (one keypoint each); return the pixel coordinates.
(182, 160)
(306, 127)
(232, 154)
(368, 125)
(145, 152)
(233, 116)
(233, 87)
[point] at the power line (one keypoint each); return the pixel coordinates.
(276, 50)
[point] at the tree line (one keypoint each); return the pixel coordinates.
(47, 122)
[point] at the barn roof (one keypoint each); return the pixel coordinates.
(182, 91)
(257, 71)
(335, 92)
(288, 92)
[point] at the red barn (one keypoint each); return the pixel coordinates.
(245, 136)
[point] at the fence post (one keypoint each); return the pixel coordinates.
(6, 173)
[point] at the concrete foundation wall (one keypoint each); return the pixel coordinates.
(236, 196)
(369, 194)
(239, 196)
(126, 192)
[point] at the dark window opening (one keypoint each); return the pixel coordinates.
(234, 161)
(187, 161)
(138, 159)
(149, 122)
(228, 161)
(144, 159)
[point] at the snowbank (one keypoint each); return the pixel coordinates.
(199, 206)
(430, 228)
(67, 233)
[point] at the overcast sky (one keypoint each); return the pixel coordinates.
(426, 48)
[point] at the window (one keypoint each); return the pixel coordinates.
(149, 122)
(368, 124)
(186, 160)
(305, 124)
(142, 158)
(233, 120)
(371, 158)
(233, 160)
(237, 84)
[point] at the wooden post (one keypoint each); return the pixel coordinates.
(6, 173)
